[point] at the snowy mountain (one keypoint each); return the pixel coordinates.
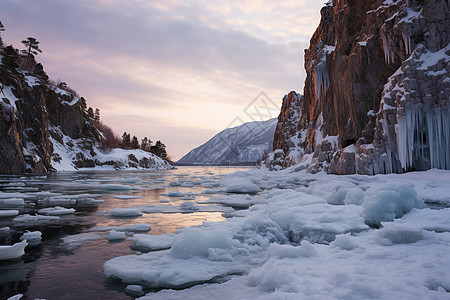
(241, 145)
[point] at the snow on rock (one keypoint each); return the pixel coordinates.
(126, 212)
(56, 211)
(70, 155)
(14, 251)
(33, 238)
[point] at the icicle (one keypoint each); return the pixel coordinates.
(408, 4)
(407, 41)
(322, 80)
(423, 138)
(388, 54)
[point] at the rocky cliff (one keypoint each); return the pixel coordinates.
(45, 128)
(377, 93)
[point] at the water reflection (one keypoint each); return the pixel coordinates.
(46, 270)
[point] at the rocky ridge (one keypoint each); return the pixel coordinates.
(377, 92)
(44, 128)
(241, 145)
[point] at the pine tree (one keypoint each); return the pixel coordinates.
(97, 115)
(83, 103)
(135, 142)
(9, 65)
(159, 149)
(144, 144)
(32, 49)
(90, 112)
(126, 140)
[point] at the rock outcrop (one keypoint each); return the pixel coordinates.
(377, 93)
(45, 128)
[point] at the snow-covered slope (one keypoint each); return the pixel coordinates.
(72, 154)
(244, 144)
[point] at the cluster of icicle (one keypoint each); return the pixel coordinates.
(322, 80)
(423, 138)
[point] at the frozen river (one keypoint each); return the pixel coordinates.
(226, 233)
(68, 263)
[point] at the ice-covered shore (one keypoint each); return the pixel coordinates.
(309, 236)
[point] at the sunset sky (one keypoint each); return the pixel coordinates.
(171, 70)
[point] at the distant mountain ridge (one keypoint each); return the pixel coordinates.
(241, 145)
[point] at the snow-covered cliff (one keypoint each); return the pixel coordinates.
(241, 145)
(377, 93)
(45, 128)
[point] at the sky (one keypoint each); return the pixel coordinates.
(171, 70)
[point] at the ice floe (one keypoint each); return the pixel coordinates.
(146, 243)
(126, 212)
(56, 211)
(14, 251)
(8, 213)
(33, 238)
(71, 242)
(114, 235)
(129, 228)
(29, 220)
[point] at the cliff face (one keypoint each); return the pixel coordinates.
(377, 93)
(28, 110)
(44, 128)
(288, 121)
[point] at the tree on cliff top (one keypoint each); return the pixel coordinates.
(32, 49)
(8, 66)
(135, 143)
(159, 149)
(126, 140)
